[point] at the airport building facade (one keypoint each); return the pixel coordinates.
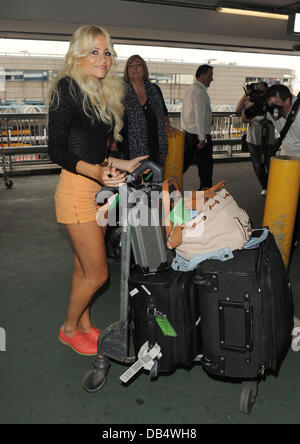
(26, 79)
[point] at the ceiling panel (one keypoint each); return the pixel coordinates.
(274, 5)
(182, 23)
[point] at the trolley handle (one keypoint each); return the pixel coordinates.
(157, 171)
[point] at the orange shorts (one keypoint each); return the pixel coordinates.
(75, 198)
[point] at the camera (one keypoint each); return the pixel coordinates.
(253, 87)
(258, 108)
(256, 96)
(256, 88)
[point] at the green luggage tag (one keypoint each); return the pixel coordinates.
(180, 215)
(160, 317)
(165, 326)
(112, 201)
(148, 176)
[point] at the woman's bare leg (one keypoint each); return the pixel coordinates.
(78, 275)
(90, 273)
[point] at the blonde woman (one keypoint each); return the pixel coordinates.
(85, 112)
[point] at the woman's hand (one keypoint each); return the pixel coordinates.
(110, 177)
(133, 164)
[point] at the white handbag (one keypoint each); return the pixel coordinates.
(222, 223)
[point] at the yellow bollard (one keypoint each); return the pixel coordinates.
(175, 158)
(282, 201)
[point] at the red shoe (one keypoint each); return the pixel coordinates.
(94, 334)
(80, 343)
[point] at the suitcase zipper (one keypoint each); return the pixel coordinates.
(268, 320)
(260, 281)
(272, 354)
(178, 317)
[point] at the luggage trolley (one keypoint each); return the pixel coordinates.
(113, 343)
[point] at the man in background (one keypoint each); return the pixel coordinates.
(261, 132)
(196, 120)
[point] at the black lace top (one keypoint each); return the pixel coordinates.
(72, 135)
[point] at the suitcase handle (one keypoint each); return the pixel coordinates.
(223, 305)
(208, 280)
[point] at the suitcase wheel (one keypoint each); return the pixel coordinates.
(95, 378)
(248, 396)
(8, 183)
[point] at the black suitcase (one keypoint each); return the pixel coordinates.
(246, 312)
(168, 299)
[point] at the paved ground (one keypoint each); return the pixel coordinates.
(41, 379)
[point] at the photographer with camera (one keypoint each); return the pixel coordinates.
(261, 133)
(284, 110)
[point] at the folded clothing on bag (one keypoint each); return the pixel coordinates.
(181, 264)
(224, 254)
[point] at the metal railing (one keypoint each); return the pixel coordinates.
(24, 139)
(227, 133)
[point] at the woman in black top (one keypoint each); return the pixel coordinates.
(85, 110)
(146, 121)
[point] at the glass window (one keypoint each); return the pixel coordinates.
(184, 79)
(13, 75)
(35, 102)
(270, 80)
(31, 75)
(162, 78)
(52, 74)
(2, 79)
(174, 105)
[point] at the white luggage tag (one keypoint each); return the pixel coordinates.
(146, 362)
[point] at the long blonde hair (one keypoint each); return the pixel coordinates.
(103, 96)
